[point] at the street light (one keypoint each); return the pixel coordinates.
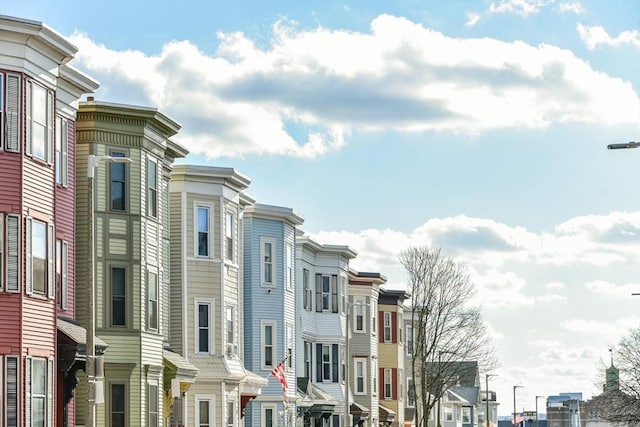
(537, 397)
(486, 396)
(350, 305)
(514, 402)
(90, 364)
(623, 146)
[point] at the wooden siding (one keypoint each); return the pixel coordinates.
(38, 324)
(38, 186)
(10, 321)
(11, 178)
(178, 251)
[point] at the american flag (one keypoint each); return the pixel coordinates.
(519, 418)
(281, 376)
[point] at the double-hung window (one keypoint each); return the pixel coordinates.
(118, 297)
(62, 274)
(152, 303)
(307, 293)
(40, 247)
(288, 259)
(268, 344)
(267, 261)
(152, 405)
(307, 360)
(203, 227)
(387, 383)
(39, 122)
(204, 411)
(289, 341)
(231, 413)
(62, 151)
(231, 331)
(326, 293)
(268, 416)
(39, 391)
(409, 335)
(359, 308)
(152, 188)
(229, 224)
(118, 404)
(326, 363)
(204, 327)
(360, 374)
(118, 176)
(387, 326)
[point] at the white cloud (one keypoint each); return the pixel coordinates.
(594, 36)
(572, 7)
(307, 90)
(613, 330)
(555, 285)
(604, 288)
(472, 19)
(518, 7)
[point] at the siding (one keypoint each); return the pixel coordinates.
(38, 186)
(177, 253)
(10, 321)
(38, 324)
(11, 178)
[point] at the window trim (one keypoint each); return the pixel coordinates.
(387, 327)
(49, 267)
(232, 344)
(125, 385)
(274, 417)
(63, 259)
(211, 399)
(61, 156)
(150, 303)
(263, 263)
(127, 298)
(360, 361)
(263, 344)
(288, 266)
(409, 339)
(125, 181)
(359, 306)
(229, 236)
(307, 296)
(211, 327)
(152, 191)
(388, 375)
(196, 235)
(231, 412)
(47, 155)
(149, 400)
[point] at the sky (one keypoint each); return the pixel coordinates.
(477, 127)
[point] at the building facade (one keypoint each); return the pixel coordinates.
(39, 93)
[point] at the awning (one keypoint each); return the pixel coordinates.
(250, 387)
(313, 401)
(386, 415)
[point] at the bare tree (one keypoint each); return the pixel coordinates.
(449, 331)
(620, 402)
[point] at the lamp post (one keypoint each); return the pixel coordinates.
(514, 402)
(90, 364)
(486, 396)
(537, 397)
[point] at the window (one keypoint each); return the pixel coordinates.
(268, 342)
(204, 411)
(374, 373)
(387, 326)
(387, 383)
(152, 405)
(228, 236)
(466, 415)
(326, 293)
(374, 310)
(12, 384)
(307, 360)
(289, 341)
(409, 334)
(202, 231)
(203, 321)
(289, 265)
(231, 325)
(152, 188)
(39, 122)
(152, 303)
(118, 404)
(448, 413)
(118, 183)
(267, 247)
(39, 391)
(411, 393)
(343, 295)
(118, 297)
(10, 121)
(307, 294)
(231, 413)
(62, 274)
(40, 246)
(359, 306)
(326, 363)
(268, 416)
(360, 374)
(62, 152)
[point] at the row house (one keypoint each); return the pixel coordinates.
(364, 290)
(39, 93)
(129, 205)
(206, 207)
(269, 242)
(391, 351)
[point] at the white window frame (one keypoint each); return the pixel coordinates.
(273, 345)
(152, 189)
(231, 413)
(211, 399)
(360, 372)
(307, 291)
(374, 376)
(288, 269)
(359, 306)
(196, 230)
(308, 367)
(274, 417)
(388, 325)
(229, 231)
(33, 88)
(264, 263)
(62, 151)
(448, 413)
(49, 268)
(466, 412)
(388, 384)
(289, 342)
(329, 376)
(209, 304)
(151, 304)
(62, 262)
(230, 329)
(410, 341)
(152, 398)
(342, 291)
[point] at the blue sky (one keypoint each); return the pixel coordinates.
(476, 126)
